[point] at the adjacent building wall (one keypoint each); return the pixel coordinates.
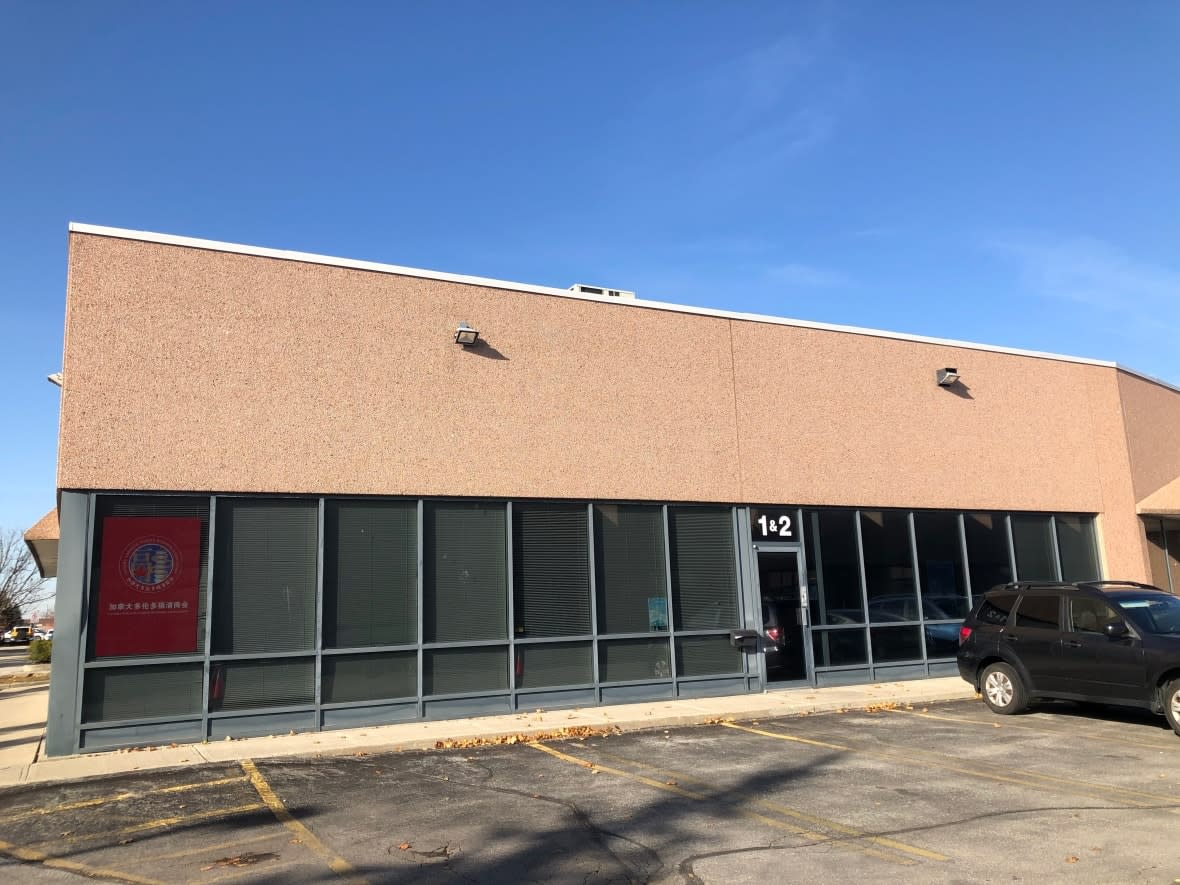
(190, 369)
(1152, 413)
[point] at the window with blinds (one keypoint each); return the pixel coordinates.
(264, 576)
(630, 568)
(369, 677)
(142, 692)
(551, 570)
(465, 594)
(370, 573)
(704, 568)
(252, 685)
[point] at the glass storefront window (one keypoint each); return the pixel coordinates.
(630, 568)
(704, 568)
(1076, 544)
(551, 570)
(987, 551)
(631, 660)
(254, 685)
(460, 670)
(1032, 536)
(706, 656)
(893, 644)
(833, 575)
(554, 664)
(142, 692)
(1157, 553)
(264, 575)
(370, 677)
(941, 570)
(889, 566)
(465, 589)
(370, 573)
(839, 648)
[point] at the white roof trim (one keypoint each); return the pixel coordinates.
(377, 267)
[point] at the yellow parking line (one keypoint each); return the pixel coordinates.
(338, 864)
(231, 845)
(994, 723)
(30, 856)
(115, 797)
(811, 835)
(787, 811)
(1022, 778)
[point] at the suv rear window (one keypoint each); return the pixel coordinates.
(1041, 611)
(996, 608)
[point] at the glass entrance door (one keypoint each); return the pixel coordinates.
(784, 619)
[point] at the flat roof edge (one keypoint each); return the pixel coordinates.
(378, 267)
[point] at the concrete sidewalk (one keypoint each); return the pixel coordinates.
(23, 710)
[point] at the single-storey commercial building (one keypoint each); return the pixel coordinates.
(302, 492)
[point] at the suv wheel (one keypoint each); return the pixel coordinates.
(1171, 699)
(1004, 693)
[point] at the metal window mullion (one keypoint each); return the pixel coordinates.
(1058, 571)
(961, 522)
(864, 587)
(668, 591)
(319, 608)
(510, 603)
(1011, 546)
(88, 592)
(912, 528)
(421, 606)
(805, 601)
(206, 675)
(590, 553)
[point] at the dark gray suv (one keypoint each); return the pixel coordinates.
(1112, 642)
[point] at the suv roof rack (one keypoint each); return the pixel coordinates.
(1098, 585)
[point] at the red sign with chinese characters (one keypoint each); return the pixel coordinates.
(148, 586)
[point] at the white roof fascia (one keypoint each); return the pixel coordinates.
(377, 267)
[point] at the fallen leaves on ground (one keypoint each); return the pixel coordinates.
(580, 732)
(240, 860)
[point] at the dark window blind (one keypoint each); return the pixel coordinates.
(704, 568)
(551, 581)
(249, 685)
(370, 573)
(630, 568)
(466, 581)
(141, 692)
(264, 576)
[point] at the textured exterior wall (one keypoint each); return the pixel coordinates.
(189, 369)
(1152, 413)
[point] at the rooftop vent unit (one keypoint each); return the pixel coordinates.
(583, 289)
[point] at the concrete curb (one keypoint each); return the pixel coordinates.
(419, 735)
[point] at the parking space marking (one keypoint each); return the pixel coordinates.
(29, 855)
(337, 864)
(810, 835)
(1050, 732)
(115, 797)
(787, 811)
(158, 824)
(909, 756)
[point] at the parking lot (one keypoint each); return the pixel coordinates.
(944, 793)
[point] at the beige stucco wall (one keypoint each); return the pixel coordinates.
(189, 369)
(1152, 414)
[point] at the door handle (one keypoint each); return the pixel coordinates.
(1072, 643)
(1011, 638)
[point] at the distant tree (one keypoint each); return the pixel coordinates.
(21, 585)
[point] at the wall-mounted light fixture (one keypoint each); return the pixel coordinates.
(466, 335)
(55, 378)
(946, 377)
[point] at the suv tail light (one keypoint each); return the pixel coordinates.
(964, 634)
(774, 633)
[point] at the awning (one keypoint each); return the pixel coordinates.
(1163, 501)
(42, 541)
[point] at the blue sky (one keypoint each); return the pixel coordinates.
(1001, 172)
